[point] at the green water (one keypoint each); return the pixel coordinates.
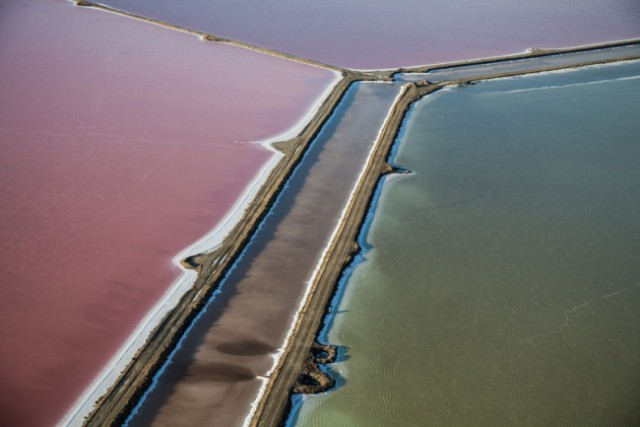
(502, 287)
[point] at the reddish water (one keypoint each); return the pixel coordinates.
(387, 34)
(116, 142)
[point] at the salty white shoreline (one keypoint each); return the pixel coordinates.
(343, 216)
(506, 56)
(111, 372)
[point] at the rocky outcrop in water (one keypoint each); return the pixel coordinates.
(312, 379)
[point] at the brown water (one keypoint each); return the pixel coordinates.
(212, 379)
(368, 34)
(116, 152)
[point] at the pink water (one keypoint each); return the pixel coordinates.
(369, 34)
(116, 152)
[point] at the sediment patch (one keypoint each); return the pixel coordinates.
(245, 348)
(313, 379)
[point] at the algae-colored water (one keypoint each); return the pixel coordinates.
(502, 283)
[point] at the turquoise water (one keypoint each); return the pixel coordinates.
(501, 285)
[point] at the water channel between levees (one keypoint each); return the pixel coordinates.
(212, 378)
(522, 65)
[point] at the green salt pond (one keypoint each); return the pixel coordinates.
(502, 285)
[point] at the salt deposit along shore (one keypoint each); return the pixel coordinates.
(228, 351)
(276, 398)
(212, 267)
(210, 242)
(537, 279)
(274, 373)
(172, 316)
(118, 153)
(207, 269)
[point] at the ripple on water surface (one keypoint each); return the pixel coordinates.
(503, 283)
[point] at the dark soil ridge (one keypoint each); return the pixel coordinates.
(312, 379)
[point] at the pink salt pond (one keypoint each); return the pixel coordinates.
(372, 34)
(119, 148)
